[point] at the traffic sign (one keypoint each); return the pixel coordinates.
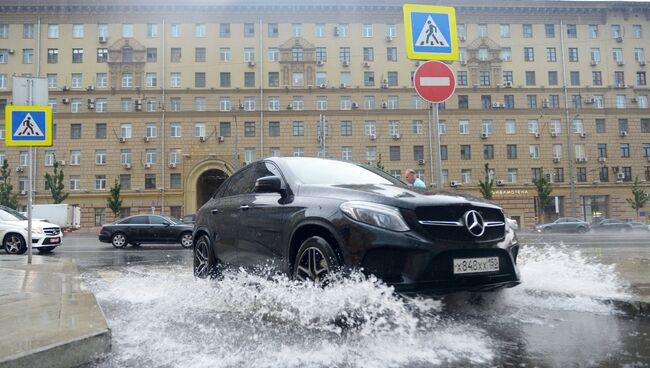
(430, 32)
(28, 126)
(434, 81)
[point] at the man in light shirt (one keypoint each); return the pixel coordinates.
(413, 180)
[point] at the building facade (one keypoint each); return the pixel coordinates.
(169, 99)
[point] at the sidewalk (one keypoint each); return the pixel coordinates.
(46, 320)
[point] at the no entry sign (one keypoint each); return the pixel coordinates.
(434, 81)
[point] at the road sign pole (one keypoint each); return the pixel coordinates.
(436, 127)
(30, 179)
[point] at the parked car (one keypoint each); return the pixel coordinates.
(639, 226)
(13, 233)
(139, 229)
(514, 225)
(188, 218)
(564, 225)
(613, 225)
(309, 216)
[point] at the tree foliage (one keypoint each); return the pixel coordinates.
(55, 182)
(486, 186)
(544, 189)
(7, 197)
(114, 201)
(639, 197)
(379, 164)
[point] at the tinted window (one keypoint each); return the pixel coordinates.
(333, 173)
(241, 182)
(158, 220)
(139, 220)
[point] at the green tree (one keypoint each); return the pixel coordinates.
(544, 189)
(486, 186)
(639, 197)
(7, 197)
(379, 164)
(55, 183)
(114, 201)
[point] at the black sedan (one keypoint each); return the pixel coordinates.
(308, 217)
(611, 225)
(147, 229)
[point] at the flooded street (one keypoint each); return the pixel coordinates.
(161, 316)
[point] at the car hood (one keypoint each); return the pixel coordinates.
(22, 224)
(391, 195)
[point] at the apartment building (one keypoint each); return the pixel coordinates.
(170, 98)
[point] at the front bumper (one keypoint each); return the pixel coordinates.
(39, 241)
(412, 263)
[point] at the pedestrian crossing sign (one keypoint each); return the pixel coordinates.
(430, 32)
(28, 126)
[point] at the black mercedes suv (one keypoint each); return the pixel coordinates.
(309, 216)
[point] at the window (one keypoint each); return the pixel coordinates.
(100, 157)
(274, 129)
(150, 181)
(127, 80)
(552, 78)
(175, 55)
(225, 54)
(593, 31)
(529, 54)
(127, 30)
(175, 80)
(549, 30)
(151, 79)
(75, 131)
(394, 153)
(391, 53)
(551, 54)
(200, 30)
(199, 79)
(274, 54)
(346, 153)
(573, 54)
(597, 78)
(200, 55)
(152, 30)
(273, 30)
(463, 126)
(504, 30)
(367, 30)
(75, 157)
(28, 31)
(249, 29)
(600, 125)
(534, 151)
(175, 130)
(527, 30)
(224, 30)
(640, 78)
(199, 130)
(344, 54)
(463, 102)
(28, 56)
(321, 103)
(488, 152)
(152, 55)
(249, 103)
(225, 128)
(625, 150)
(575, 78)
(100, 184)
(506, 54)
(530, 78)
(249, 54)
(52, 31)
(533, 126)
(249, 129)
(102, 55)
(52, 56)
(571, 31)
(126, 130)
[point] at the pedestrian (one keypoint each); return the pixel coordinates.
(413, 180)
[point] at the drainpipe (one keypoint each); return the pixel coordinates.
(163, 132)
(261, 79)
(572, 181)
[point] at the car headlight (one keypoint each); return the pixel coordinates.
(375, 214)
(36, 230)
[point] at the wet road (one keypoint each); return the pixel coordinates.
(162, 317)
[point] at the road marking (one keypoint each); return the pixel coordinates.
(434, 81)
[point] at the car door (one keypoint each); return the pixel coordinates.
(261, 219)
(136, 228)
(159, 230)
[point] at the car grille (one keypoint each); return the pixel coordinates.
(52, 231)
(446, 223)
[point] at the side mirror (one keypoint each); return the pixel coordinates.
(269, 184)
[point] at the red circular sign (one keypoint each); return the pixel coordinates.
(434, 81)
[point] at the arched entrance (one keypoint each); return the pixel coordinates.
(203, 180)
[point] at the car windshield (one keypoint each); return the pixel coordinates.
(333, 172)
(11, 216)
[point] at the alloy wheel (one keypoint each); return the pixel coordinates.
(202, 259)
(312, 265)
(13, 244)
(119, 240)
(186, 240)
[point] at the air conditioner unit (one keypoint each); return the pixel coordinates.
(583, 135)
(220, 138)
(251, 63)
(634, 100)
(556, 159)
(172, 165)
(620, 176)
(589, 101)
(545, 103)
(366, 64)
(421, 162)
(507, 84)
(23, 192)
(336, 31)
(147, 165)
(594, 63)
(11, 51)
(322, 86)
(146, 139)
(619, 39)
(202, 139)
(320, 63)
(389, 38)
(355, 105)
(581, 159)
(384, 105)
(641, 62)
(343, 85)
(103, 39)
(536, 135)
(620, 63)
(127, 166)
(289, 107)
(373, 136)
(90, 88)
(622, 133)
(20, 169)
(395, 136)
(62, 162)
(553, 134)
(91, 104)
(484, 135)
(455, 184)
(66, 101)
(497, 105)
(346, 62)
(65, 88)
(501, 183)
(122, 140)
(602, 159)
(621, 86)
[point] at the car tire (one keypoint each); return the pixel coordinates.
(186, 240)
(119, 240)
(205, 263)
(14, 244)
(315, 260)
(582, 230)
(45, 250)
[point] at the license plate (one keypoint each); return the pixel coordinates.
(55, 240)
(476, 265)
